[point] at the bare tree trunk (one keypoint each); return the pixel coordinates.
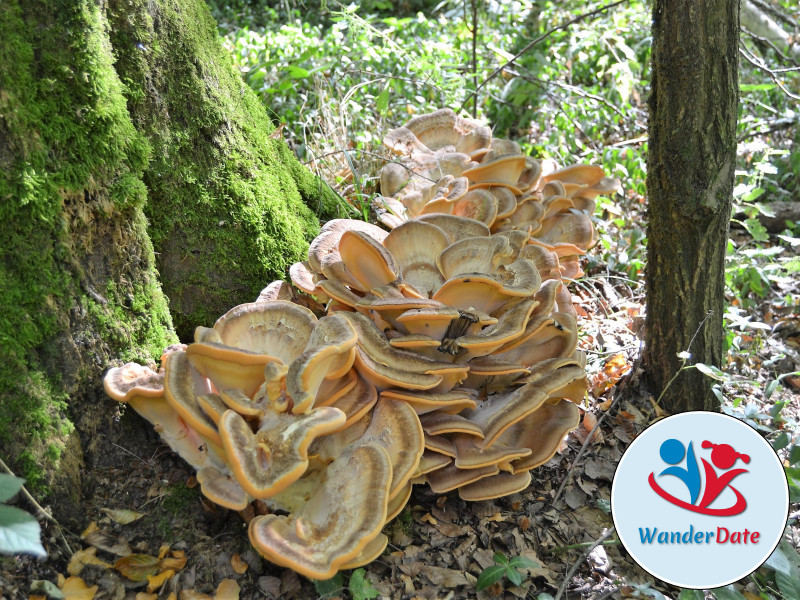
(691, 162)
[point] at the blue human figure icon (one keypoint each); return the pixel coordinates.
(672, 453)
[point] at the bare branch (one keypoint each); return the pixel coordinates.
(531, 44)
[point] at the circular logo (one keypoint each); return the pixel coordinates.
(700, 500)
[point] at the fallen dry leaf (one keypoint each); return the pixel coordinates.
(162, 551)
(238, 565)
(146, 596)
(90, 528)
(447, 578)
(612, 372)
(191, 483)
(123, 516)
(85, 557)
(227, 589)
(104, 541)
(589, 422)
(34, 597)
(156, 581)
(138, 567)
(176, 563)
(75, 588)
(428, 518)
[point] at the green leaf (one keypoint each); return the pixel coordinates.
(546, 596)
(794, 455)
(779, 561)
(382, 101)
(514, 576)
(691, 595)
(727, 593)
(9, 486)
(329, 587)
(781, 441)
(771, 386)
(793, 477)
(19, 533)
(788, 585)
(521, 562)
(490, 576)
(360, 587)
(500, 558)
(296, 72)
(712, 372)
(756, 87)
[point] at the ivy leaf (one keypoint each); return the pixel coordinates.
(490, 576)
(360, 587)
(19, 533)
(691, 595)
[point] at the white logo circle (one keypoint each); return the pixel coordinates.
(700, 500)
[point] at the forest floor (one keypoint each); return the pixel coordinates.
(439, 545)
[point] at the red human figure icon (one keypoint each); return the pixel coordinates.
(724, 457)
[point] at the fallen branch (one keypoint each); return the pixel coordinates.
(562, 588)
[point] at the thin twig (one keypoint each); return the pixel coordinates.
(582, 451)
(683, 364)
(759, 64)
(41, 511)
(562, 588)
(531, 44)
(613, 542)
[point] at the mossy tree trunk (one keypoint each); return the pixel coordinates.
(690, 170)
(123, 126)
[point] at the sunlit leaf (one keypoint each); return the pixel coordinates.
(75, 588)
(123, 516)
(19, 533)
(156, 581)
(81, 558)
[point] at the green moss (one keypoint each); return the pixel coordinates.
(71, 165)
(180, 498)
(230, 208)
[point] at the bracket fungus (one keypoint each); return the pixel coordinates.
(442, 352)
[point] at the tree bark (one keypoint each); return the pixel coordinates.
(113, 114)
(690, 171)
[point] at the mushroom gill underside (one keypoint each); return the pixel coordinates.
(442, 352)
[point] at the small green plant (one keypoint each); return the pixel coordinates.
(504, 568)
(359, 586)
(19, 532)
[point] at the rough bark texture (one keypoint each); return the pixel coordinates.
(110, 115)
(691, 161)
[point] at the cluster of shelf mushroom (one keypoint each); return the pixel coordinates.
(440, 352)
